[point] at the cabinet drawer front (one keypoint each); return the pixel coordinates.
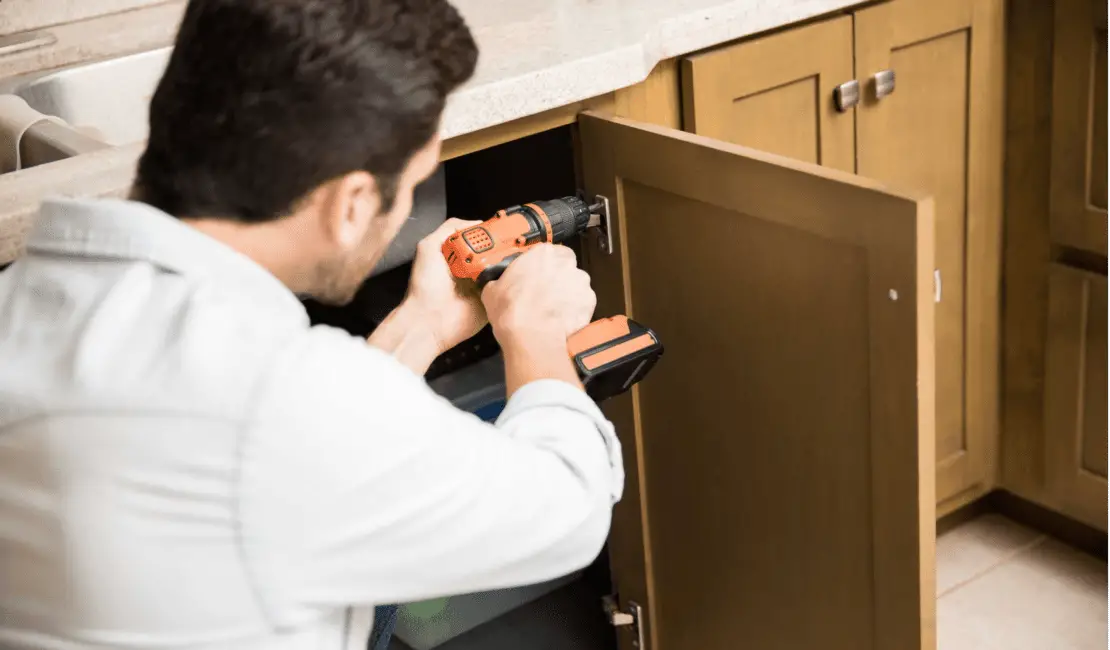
(780, 456)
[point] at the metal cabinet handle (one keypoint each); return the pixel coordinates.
(846, 95)
(884, 83)
(936, 285)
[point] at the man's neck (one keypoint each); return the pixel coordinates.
(268, 244)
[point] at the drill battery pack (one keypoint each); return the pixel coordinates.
(612, 354)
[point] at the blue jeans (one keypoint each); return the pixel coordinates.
(385, 619)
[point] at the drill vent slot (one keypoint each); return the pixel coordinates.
(478, 240)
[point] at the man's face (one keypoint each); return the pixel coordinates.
(341, 273)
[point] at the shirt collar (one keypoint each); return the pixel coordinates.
(129, 230)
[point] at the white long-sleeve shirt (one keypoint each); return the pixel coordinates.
(186, 463)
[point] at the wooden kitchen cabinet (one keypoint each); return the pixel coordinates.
(1077, 192)
(939, 131)
(1075, 394)
(780, 457)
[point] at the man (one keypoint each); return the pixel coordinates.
(184, 461)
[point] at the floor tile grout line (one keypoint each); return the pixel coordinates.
(1003, 560)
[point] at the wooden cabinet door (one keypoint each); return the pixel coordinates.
(1075, 394)
(779, 457)
(775, 94)
(941, 132)
(1078, 177)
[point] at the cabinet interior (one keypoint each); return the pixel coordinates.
(540, 166)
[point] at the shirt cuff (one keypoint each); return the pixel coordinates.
(552, 393)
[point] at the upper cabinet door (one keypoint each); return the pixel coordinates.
(1078, 190)
(940, 129)
(780, 456)
(776, 93)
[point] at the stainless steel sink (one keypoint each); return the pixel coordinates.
(107, 100)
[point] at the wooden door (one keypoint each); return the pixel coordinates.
(941, 132)
(775, 94)
(1078, 178)
(780, 457)
(1075, 394)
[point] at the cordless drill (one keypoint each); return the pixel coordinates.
(610, 354)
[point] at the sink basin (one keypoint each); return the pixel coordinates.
(107, 100)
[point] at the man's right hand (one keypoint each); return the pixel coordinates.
(540, 300)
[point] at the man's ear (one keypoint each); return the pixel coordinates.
(348, 205)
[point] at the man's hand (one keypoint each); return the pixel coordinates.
(438, 313)
(540, 300)
(453, 307)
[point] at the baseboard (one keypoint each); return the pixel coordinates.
(955, 517)
(1074, 533)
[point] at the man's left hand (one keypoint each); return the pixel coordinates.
(453, 309)
(439, 311)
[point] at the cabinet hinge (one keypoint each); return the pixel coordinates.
(629, 616)
(600, 222)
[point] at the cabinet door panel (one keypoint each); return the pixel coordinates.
(780, 456)
(941, 132)
(1078, 185)
(1075, 394)
(775, 94)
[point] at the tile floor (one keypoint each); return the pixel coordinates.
(1000, 586)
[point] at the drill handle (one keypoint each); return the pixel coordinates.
(494, 271)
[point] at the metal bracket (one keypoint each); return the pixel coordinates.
(631, 616)
(600, 218)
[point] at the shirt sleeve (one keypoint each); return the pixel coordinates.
(359, 485)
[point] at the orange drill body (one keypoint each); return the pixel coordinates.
(494, 243)
(610, 354)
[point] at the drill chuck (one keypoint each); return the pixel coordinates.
(568, 217)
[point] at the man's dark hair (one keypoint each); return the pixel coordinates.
(264, 100)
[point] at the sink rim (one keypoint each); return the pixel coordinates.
(13, 85)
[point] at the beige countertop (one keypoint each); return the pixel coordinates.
(534, 55)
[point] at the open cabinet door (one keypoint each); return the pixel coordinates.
(780, 490)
